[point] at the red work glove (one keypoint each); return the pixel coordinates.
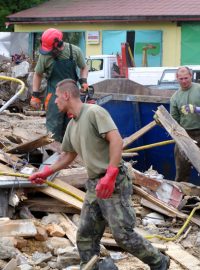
(40, 177)
(35, 103)
(106, 184)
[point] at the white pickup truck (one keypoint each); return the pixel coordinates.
(103, 67)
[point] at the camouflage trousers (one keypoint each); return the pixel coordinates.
(183, 166)
(118, 213)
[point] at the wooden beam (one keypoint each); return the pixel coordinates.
(145, 181)
(63, 197)
(69, 227)
(178, 133)
(179, 255)
(91, 263)
(163, 205)
(156, 208)
(31, 145)
(138, 134)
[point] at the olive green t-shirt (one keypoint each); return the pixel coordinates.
(45, 62)
(191, 96)
(85, 135)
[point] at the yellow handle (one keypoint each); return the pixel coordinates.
(46, 182)
(143, 147)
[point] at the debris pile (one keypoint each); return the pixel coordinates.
(39, 223)
(20, 67)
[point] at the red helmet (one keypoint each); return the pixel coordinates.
(51, 38)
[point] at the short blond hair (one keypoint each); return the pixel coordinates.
(70, 86)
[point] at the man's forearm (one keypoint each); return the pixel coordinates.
(115, 148)
(63, 161)
(84, 72)
(37, 79)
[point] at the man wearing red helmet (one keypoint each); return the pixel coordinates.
(57, 60)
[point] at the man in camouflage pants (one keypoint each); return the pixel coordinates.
(93, 135)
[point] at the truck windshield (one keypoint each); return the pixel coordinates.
(169, 76)
(94, 64)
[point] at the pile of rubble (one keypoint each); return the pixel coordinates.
(20, 67)
(39, 230)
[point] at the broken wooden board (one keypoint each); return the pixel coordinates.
(183, 140)
(156, 208)
(69, 227)
(138, 134)
(89, 265)
(48, 205)
(189, 188)
(61, 196)
(19, 227)
(165, 206)
(145, 181)
(110, 242)
(179, 255)
(31, 145)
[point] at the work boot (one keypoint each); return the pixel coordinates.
(164, 265)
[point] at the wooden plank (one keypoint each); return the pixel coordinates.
(48, 204)
(165, 206)
(31, 145)
(69, 227)
(63, 197)
(145, 181)
(91, 263)
(55, 193)
(138, 134)
(183, 140)
(156, 208)
(69, 187)
(110, 242)
(179, 255)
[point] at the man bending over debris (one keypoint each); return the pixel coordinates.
(185, 109)
(58, 60)
(92, 134)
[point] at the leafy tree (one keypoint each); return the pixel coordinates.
(9, 7)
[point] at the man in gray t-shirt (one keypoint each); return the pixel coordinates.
(94, 136)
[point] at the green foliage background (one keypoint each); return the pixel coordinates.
(8, 7)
